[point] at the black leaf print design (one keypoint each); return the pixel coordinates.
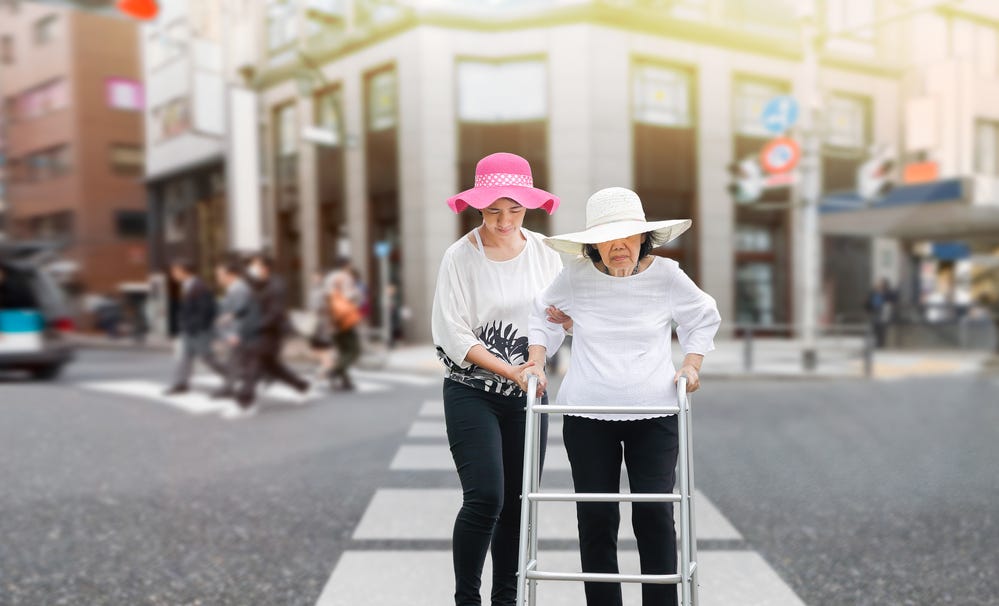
(502, 340)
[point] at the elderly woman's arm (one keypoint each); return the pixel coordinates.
(697, 321)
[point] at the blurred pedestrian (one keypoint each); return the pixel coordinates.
(237, 324)
(345, 298)
(196, 321)
(264, 355)
(880, 306)
(321, 337)
(485, 289)
(622, 301)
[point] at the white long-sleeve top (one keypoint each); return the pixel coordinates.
(622, 333)
(480, 301)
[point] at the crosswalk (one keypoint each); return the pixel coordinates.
(198, 401)
(400, 550)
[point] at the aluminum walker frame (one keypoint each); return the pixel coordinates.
(527, 570)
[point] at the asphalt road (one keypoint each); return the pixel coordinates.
(854, 492)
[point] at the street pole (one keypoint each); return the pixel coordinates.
(383, 272)
(811, 169)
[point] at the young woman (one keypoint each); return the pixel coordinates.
(485, 290)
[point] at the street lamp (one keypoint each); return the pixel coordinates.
(811, 177)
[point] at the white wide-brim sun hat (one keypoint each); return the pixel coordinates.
(613, 213)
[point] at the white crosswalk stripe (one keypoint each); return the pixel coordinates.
(198, 400)
(421, 516)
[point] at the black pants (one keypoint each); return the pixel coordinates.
(486, 434)
(348, 346)
(191, 348)
(650, 448)
(263, 359)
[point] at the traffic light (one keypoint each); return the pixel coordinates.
(747, 180)
(875, 177)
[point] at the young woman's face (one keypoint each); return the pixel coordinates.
(503, 217)
(621, 254)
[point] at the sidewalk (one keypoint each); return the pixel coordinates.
(772, 358)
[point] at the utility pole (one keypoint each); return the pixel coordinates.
(811, 186)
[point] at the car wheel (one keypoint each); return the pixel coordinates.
(46, 373)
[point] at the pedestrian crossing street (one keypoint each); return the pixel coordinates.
(400, 550)
(198, 401)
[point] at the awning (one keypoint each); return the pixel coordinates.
(942, 209)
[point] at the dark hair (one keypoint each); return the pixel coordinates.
(591, 251)
(231, 265)
(184, 264)
(265, 259)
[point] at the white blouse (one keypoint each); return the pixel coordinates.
(622, 333)
(486, 302)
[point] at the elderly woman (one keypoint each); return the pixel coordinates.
(485, 290)
(622, 302)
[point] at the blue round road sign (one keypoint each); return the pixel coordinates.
(780, 114)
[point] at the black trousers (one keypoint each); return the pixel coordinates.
(486, 435)
(650, 448)
(348, 346)
(263, 359)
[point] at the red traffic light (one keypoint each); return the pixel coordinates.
(139, 9)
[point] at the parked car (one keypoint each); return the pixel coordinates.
(34, 317)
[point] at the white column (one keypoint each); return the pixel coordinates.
(356, 190)
(308, 197)
(428, 165)
(570, 115)
(716, 211)
(242, 171)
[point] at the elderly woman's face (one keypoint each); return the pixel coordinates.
(503, 217)
(621, 255)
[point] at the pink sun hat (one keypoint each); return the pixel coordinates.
(503, 175)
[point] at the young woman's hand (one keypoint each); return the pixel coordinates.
(557, 316)
(526, 371)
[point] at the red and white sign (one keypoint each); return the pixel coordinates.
(780, 155)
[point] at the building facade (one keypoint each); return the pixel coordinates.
(73, 140)
(373, 115)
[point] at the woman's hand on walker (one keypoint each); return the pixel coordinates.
(524, 373)
(693, 379)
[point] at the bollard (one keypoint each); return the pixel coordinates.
(868, 353)
(747, 350)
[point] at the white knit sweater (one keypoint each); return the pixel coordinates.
(622, 333)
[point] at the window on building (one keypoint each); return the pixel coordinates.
(41, 100)
(754, 238)
(47, 29)
(754, 285)
(770, 17)
(282, 25)
(851, 18)
(502, 91)
(41, 165)
(751, 97)
(6, 49)
(382, 91)
(327, 108)
(131, 223)
(661, 95)
(847, 122)
(124, 94)
(987, 147)
(126, 159)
